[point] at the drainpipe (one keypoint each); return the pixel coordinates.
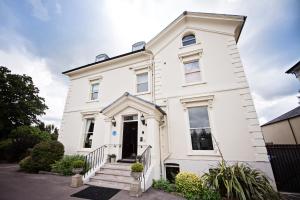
(292, 131)
(160, 159)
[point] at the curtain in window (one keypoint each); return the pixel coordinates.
(89, 133)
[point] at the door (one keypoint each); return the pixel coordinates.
(130, 133)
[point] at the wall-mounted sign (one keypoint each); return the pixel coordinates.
(114, 133)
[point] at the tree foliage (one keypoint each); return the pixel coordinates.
(20, 103)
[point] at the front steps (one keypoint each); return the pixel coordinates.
(113, 175)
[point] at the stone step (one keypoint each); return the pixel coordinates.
(114, 172)
(112, 178)
(125, 167)
(108, 184)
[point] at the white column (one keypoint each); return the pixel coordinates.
(153, 140)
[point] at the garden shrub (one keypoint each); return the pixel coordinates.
(65, 165)
(6, 150)
(188, 184)
(78, 164)
(209, 194)
(23, 138)
(137, 167)
(163, 185)
(239, 181)
(46, 153)
(27, 165)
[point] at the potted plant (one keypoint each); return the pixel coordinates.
(136, 170)
(78, 166)
(113, 158)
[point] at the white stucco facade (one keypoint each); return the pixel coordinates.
(223, 89)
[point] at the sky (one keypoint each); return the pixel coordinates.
(44, 38)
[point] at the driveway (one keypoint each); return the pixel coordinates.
(16, 185)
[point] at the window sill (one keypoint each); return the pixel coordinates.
(204, 153)
(190, 45)
(191, 84)
(92, 101)
(142, 93)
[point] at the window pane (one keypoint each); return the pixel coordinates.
(193, 77)
(130, 117)
(142, 87)
(201, 139)
(142, 78)
(189, 39)
(198, 117)
(95, 87)
(94, 96)
(192, 66)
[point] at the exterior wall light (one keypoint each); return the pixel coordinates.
(143, 120)
(113, 121)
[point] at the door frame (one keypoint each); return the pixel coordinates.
(122, 129)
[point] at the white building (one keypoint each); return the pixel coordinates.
(184, 93)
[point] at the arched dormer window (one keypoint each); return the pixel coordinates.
(188, 40)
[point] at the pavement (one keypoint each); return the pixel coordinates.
(16, 185)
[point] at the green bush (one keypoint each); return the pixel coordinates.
(27, 165)
(23, 138)
(239, 181)
(78, 164)
(209, 194)
(65, 165)
(137, 167)
(46, 153)
(6, 150)
(188, 184)
(163, 185)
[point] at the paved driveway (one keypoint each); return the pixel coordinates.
(16, 185)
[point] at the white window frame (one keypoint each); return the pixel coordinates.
(94, 80)
(187, 34)
(197, 101)
(136, 81)
(190, 56)
(197, 71)
(85, 132)
(85, 116)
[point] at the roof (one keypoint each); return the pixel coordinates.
(203, 15)
(291, 114)
(127, 94)
(294, 68)
(185, 13)
(102, 61)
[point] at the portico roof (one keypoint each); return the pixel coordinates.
(127, 96)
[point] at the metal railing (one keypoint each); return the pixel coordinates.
(145, 159)
(94, 159)
(97, 157)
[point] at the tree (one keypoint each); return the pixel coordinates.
(20, 103)
(50, 128)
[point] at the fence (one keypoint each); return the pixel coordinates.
(285, 161)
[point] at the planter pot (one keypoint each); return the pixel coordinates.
(112, 159)
(136, 175)
(77, 170)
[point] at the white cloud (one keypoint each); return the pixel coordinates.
(39, 10)
(270, 109)
(21, 61)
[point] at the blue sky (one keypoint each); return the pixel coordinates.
(43, 38)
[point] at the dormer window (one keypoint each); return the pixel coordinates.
(188, 40)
